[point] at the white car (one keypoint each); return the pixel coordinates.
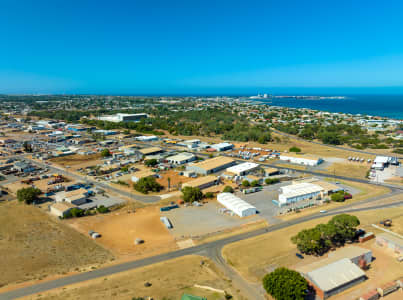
(323, 211)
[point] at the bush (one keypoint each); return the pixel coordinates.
(102, 209)
(147, 184)
(106, 153)
(285, 284)
(74, 213)
(245, 183)
(295, 149)
(151, 162)
(191, 194)
(28, 195)
(209, 195)
(338, 197)
(272, 180)
(228, 189)
(254, 183)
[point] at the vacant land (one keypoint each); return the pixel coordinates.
(255, 257)
(169, 279)
(349, 169)
(35, 245)
(119, 230)
(77, 161)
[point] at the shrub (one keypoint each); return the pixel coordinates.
(147, 184)
(245, 183)
(228, 189)
(102, 209)
(209, 195)
(254, 183)
(338, 197)
(191, 194)
(272, 180)
(106, 153)
(295, 149)
(151, 162)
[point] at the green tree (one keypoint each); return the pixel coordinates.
(345, 226)
(228, 189)
(245, 183)
(105, 153)
(272, 180)
(191, 194)
(337, 197)
(28, 195)
(295, 149)
(285, 284)
(146, 185)
(209, 195)
(151, 162)
(254, 183)
(102, 209)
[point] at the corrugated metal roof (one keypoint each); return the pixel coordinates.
(213, 163)
(300, 189)
(335, 274)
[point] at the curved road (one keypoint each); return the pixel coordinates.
(211, 249)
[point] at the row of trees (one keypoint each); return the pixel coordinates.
(321, 238)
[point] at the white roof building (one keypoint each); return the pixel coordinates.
(181, 158)
(222, 146)
(236, 204)
(243, 169)
(298, 192)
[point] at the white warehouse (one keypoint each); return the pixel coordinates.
(243, 169)
(298, 192)
(236, 204)
(308, 160)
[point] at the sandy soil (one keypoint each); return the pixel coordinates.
(169, 279)
(77, 161)
(36, 246)
(119, 230)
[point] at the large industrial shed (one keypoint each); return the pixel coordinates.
(335, 277)
(298, 192)
(212, 165)
(181, 158)
(243, 169)
(222, 146)
(308, 160)
(202, 182)
(390, 241)
(236, 204)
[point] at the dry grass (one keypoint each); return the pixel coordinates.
(255, 257)
(77, 161)
(349, 169)
(35, 245)
(169, 279)
(293, 166)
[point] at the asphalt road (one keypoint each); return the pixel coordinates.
(202, 249)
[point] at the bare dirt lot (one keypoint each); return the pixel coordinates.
(36, 246)
(170, 279)
(119, 230)
(77, 161)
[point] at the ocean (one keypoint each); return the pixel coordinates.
(390, 106)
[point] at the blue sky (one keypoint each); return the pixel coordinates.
(200, 47)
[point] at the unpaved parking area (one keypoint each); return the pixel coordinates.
(195, 221)
(119, 229)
